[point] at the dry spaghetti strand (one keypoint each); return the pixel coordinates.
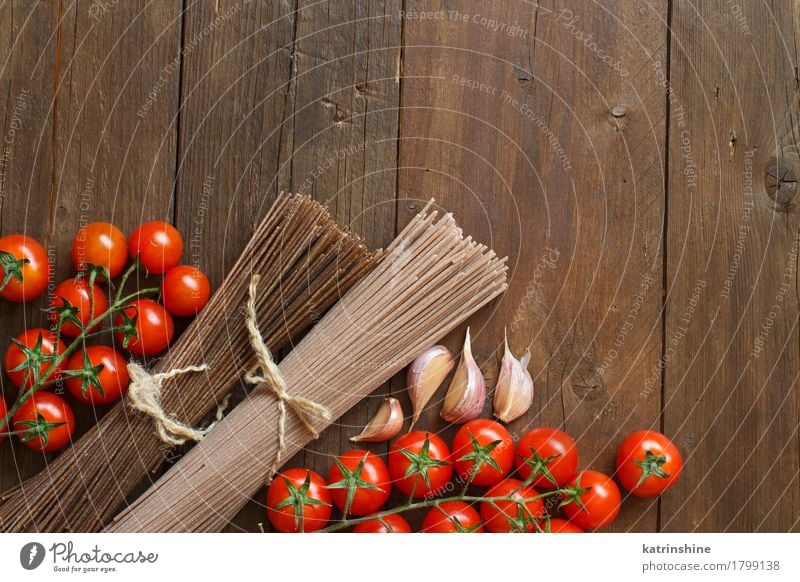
(305, 263)
(430, 281)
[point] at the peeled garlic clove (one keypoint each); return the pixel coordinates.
(385, 425)
(425, 375)
(513, 395)
(467, 391)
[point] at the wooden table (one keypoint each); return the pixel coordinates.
(637, 162)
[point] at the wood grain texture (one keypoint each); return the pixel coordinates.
(28, 80)
(731, 393)
(237, 63)
(339, 144)
(514, 132)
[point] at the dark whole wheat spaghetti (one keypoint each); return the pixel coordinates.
(305, 263)
(430, 280)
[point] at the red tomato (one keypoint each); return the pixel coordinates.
(593, 502)
(158, 246)
(648, 463)
(359, 482)
(24, 267)
(392, 523)
(452, 517)
(419, 463)
(100, 244)
(185, 290)
(31, 359)
(76, 292)
(3, 412)
(557, 525)
(509, 516)
(297, 501)
(48, 420)
(550, 453)
(100, 376)
(483, 450)
(150, 328)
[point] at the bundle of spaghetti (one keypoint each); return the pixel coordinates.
(305, 262)
(429, 282)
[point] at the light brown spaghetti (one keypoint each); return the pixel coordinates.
(305, 263)
(431, 280)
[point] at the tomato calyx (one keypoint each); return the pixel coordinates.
(480, 456)
(128, 327)
(67, 312)
(90, 375)
(40, 427)
(351, 480)
(421, 463)
(298, 498)
(33, 359)
(573, 495)
(539, 467)
(12, 267)
(523, 520)
(651, 466)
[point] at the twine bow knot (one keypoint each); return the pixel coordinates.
(144, 393)
(268, 373)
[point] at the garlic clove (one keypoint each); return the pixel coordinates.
(513, 395)
(467, 392)
(386, 424)
(425, 375)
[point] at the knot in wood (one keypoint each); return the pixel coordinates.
(780, 182)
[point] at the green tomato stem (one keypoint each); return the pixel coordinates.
(118, 304)
(412, 505)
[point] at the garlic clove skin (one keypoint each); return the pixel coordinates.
(513, 395)
(425, 375)
(385, 425)
(467, 392)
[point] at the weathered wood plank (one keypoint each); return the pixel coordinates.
(340, 142)
(236, 71)
(731, 393)
(507, 120)
(116, 132)
(29, 37)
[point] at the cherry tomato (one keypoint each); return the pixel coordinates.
(594, 501)
(76, 292)
(48, 420)
(149, 329)
(297, 501)
(185, 290)
(100, 244)
(359, 482)
(419, 463)
(549, 452)
(557, 525)
(648, 463)
(452, 517)
(392, 523)
(158, 246)
(3, 412)
(483, 450)
(31, 359)
(509, 516)
(24, 268)
(98, 376)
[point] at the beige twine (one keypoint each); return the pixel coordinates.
(145, 396)
(269, 374)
